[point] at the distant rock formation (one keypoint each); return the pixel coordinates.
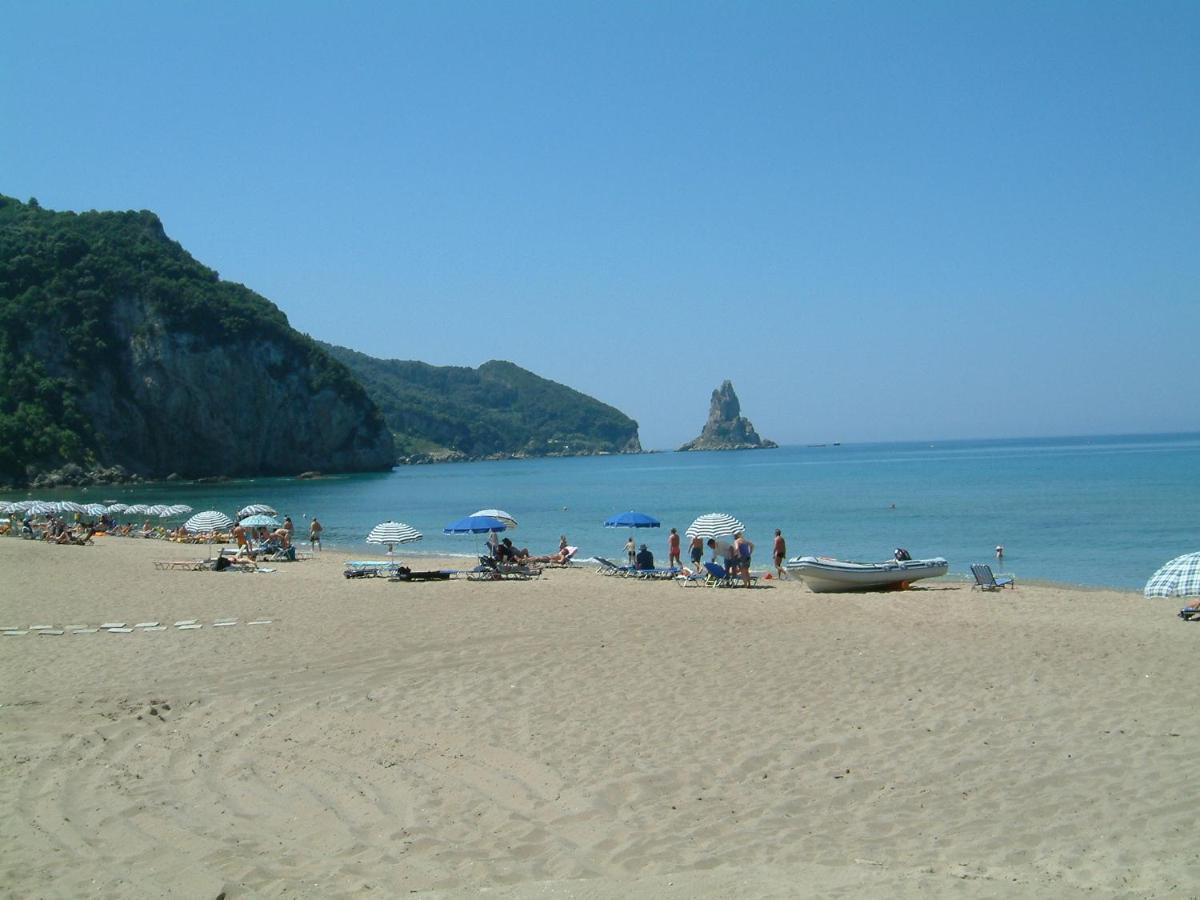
(725, 428)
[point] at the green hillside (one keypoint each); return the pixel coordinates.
(498, 409)
(116, 346)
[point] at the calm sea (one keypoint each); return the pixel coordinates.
(1089, 510)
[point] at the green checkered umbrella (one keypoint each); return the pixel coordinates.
(1178, 578)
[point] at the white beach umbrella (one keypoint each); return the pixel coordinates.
(118, 508)
(497, 514)
(138, 509)
(178, 509)
(255, 509)
(1178, 578)
(392, 533)
(71, 506)
(95, 509)
(41, 508)
(714, 525)
(158, 509)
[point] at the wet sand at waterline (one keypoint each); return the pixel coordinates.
(579, 736)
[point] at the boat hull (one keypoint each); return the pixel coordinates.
(825, 576)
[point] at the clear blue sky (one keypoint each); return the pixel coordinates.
(880, 220)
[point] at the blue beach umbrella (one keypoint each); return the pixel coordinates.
(259, 520)
(475, 525)
(631, 519)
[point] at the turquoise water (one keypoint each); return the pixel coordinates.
(1091, 511)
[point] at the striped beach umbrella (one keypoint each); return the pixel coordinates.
(41, 508)
(714, 525)
(158, 509)
(71, 506)
(118, 508)
(255, 509)
(209, 520)
(95, 509)
(1178, 578)
(631, 519)
(178, 509)
(392, 533)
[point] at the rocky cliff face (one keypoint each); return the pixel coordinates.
(726, 429)
(121, 353)
(177, 402)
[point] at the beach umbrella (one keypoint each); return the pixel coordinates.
(631, 519)
(497, 514)
(255, 509)
(138, 509)
(117, 508)
(714, 525)
(392, 533)
(178, 509)
(209, 520)
(95, 509)
(475, 525)
(259, 519)
(1178, 578)
(158, 509)
(71, 506)
(41, 508)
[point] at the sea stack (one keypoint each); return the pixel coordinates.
(725, 428)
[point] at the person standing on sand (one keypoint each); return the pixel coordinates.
(779, 552)
(696, 551)
(314, 534)
(673, 559)
(631, 550)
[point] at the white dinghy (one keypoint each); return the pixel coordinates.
(825, 575)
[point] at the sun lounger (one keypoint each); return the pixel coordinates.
(404, 574)
(692, 579)
(654, 574)
(607, 567)
(490, 570)
(188, 565)
(985, 580)
(369, 568)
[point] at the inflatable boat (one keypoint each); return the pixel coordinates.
(826, 575)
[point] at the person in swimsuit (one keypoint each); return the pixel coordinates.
(673, 559)
(779, 552)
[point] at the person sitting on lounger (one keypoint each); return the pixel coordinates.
(643, 559)
(506, 552)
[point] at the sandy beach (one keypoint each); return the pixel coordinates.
(579, 736)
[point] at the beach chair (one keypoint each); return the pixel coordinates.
(406, 574)
(716, 576)
(655, 574)
(608, 567)
(369, 568)
(692, 579)
(566, 562)
(986, 581)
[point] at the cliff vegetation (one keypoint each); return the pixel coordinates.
(496, 410)
(118, 349)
